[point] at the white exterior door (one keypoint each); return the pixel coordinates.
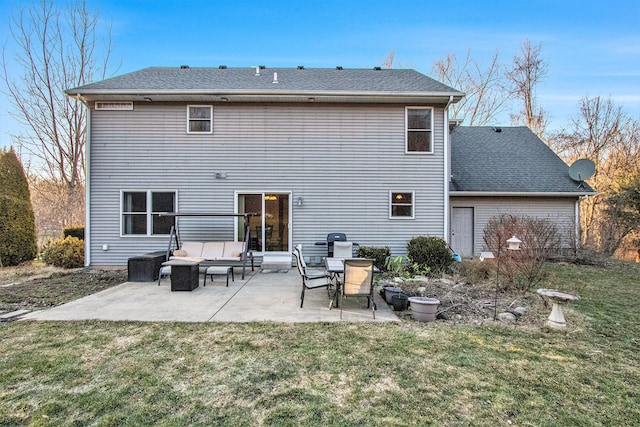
(462, 231)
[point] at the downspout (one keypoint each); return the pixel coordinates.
(447, 169)
(577, 224)
(87, 186)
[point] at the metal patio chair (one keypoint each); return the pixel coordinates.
(310, 281)
(358, 282)
(343, 250)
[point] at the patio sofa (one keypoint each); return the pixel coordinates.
(233, 254)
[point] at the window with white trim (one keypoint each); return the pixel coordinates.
(199, 118)
(141, 212)
(401, 204)
(419, 125)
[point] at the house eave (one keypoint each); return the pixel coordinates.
(520, 194)
(195, 95)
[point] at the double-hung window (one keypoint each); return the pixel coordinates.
(401, 204)
(199, 118)
(419, 123)
(141, 212)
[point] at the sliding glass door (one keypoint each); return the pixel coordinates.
(270, 228)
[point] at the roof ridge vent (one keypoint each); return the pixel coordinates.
(300, 67)
(377, 68)
(222, 67)
(262, 67)
(339, 67)
(184, 67)
(496, 129)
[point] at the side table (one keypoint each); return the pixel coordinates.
(185, 275)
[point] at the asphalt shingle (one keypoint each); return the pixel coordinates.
(513, 160)
(175, 79)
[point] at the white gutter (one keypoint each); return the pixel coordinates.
(517, 194)
(253, 92)
(577, 223)
(447, 169)
(87, 186)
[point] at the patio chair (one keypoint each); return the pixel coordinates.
(343, 250)
(312, 273)
(358, 282)
(310, 282)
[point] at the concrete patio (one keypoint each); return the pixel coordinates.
(260, 297)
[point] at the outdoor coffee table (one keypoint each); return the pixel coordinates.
(185, 275)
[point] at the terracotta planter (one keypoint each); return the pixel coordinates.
(424, 309)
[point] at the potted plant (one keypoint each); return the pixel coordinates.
(424, 309)
(400, 302)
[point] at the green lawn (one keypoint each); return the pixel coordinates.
(136, 374)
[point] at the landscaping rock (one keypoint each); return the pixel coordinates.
(507, 317)
(519, 311)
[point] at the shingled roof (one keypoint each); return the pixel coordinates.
(507, 160)
(222, 81)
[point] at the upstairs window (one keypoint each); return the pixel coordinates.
(419, 137)
(141, 212)
(401, 205)
(199, 118)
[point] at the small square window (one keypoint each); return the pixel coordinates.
(200, 119)
(401, 205)
(419, 130)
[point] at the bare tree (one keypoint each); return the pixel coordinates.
(390, 61)
(603, 133)
(55, 50)
(527, 72)
(485, 89)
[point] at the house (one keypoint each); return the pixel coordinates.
(366, 152)
(508, 170)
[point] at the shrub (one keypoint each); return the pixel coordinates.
(65, 253)
(475, 271)
(431, 252)
(540, 238)
(17, 222)
(76, 231)
(379, 255)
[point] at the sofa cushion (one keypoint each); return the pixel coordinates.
(212, 250)
(180, 252)
(231, 247)
(193, 249)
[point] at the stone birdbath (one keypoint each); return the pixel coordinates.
(556, 318)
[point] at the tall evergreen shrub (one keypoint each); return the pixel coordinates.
(17, 222)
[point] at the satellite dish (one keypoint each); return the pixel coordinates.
(582, 170)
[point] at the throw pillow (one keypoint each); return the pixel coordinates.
(179, 252)
(236, 254)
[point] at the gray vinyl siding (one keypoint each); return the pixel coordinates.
(342, 159)
(560, 210)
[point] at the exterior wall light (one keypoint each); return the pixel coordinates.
(299, 201)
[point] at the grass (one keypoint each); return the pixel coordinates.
(178, 374)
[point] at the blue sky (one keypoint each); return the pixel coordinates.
(591, 48)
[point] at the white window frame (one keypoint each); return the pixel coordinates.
(407, 130)
(148, 213)
(189, 119)
(392, 204)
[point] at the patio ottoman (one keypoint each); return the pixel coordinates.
(219, 271)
